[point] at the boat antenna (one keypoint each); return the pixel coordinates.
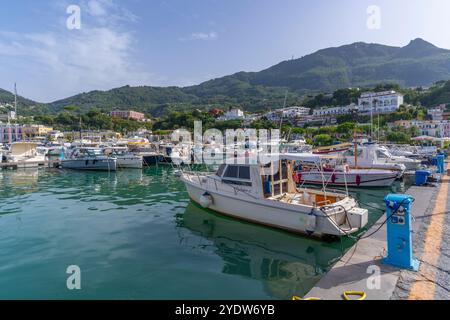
(15, 101)
(285, 100)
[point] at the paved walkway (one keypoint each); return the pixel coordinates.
(432, 248)
(431, 234)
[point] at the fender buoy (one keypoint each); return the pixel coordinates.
(333, 178)
(358, 180)
(311, 223)
(296, 298)
(296, 177)
(206, 200)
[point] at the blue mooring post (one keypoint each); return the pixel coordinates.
(399, 232)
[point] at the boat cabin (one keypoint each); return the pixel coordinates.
(86, 153)
(273, 181)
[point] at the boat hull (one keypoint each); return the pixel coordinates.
(93, 165)
(129, 163)
(265, 212)
(360, 180)
(149, 160)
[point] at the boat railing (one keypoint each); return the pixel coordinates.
(212, 178)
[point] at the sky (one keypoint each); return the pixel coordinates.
(52, 52)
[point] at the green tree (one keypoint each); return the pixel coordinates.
(323, 140)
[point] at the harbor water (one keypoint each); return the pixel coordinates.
(136, 235)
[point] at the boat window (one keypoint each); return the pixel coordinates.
(381, 154)
(284, 170)
(231, 172)
(351, 153)
(244, 173)
(221, 169)
(237, 175)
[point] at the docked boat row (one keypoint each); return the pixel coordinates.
(290, 191)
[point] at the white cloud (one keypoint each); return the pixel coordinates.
(59, 64)
(97, 7)
(205, 36)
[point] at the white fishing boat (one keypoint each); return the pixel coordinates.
(267, 195)
(125, 159)
(89, 159)
(26, 155)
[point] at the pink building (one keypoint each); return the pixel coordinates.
(129, 114)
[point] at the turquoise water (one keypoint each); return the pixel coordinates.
(136, 235)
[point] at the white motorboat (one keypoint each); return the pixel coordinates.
(3, 155)
(296, 146)
(89, 159)
(384, 155)
(267, 195)
(27, 155)
(370, 157)
(125, 159)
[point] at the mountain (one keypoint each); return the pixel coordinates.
(26, 104)
(360, 64)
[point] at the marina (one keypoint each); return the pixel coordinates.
(133, 230)
(278, 226)
(224, 159)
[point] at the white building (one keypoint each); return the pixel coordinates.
(380, 102)
(287, 113)
(437, 113)
(335, 111)
(232, 114)
(432, 128)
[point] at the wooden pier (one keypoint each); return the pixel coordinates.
(30, 164)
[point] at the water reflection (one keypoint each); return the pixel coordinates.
(286, 264)
(18, 181)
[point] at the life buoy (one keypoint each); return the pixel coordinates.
(358, 180)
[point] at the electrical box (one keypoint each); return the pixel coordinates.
(399, 232)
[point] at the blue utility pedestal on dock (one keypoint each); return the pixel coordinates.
(399, 232)
(440, 163)
(422, 177)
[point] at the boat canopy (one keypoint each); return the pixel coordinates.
(306, 157)
(19, 148)
(341, 145)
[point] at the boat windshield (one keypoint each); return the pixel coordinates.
(383, 154)
(94, 152)
(119, 152)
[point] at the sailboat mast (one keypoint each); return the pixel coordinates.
(356, 148)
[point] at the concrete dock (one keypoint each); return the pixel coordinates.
(361, 268)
